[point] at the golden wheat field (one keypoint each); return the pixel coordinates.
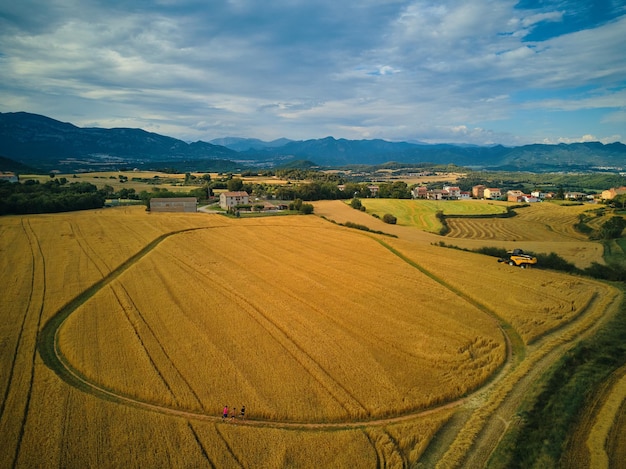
(124, 333)
(540, 228)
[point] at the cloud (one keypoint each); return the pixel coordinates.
(396, 69)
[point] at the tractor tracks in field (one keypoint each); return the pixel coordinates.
(25, 351)
(54, 359)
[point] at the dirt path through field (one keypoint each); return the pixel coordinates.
(55, 360)
(542, 355)
(517, 377)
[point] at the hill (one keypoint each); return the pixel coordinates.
(49, 144)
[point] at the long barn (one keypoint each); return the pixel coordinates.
(174, 204)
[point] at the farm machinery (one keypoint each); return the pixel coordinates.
(517, 257)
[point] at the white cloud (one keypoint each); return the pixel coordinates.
(532, 20)
(397, 69)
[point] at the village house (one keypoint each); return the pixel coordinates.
(478, 192)
(419, 192)
(174, 204)
(437, 194)
(229, 200)
(515, 196)
(453, 191)
(373, 190)
(464, 195)
(613, 192)
(492, 193)
(575, 195)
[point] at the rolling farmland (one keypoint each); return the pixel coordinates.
(540, 228)
(125, 333)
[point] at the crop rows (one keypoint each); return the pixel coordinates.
(312, 310)
(537, 222)
(331, 340)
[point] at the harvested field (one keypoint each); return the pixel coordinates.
(580, 252)
(536, 222)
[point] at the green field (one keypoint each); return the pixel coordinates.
(422, 213)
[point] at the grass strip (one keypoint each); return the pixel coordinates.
(548, 416)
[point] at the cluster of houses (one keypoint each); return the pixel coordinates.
(231, 199)
(483, 192)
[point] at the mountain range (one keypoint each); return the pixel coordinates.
(47, 144)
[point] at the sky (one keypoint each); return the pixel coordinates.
(479, 72)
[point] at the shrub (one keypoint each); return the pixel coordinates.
(389, 218)
(306, 209)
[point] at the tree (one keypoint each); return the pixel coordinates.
(620, 200)
(296, 205)
(560, 194)
(306, 209)
(234, 184)
(612, 228)
(355, 203)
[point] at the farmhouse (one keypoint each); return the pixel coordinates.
(454, 192)
(478, 192)
(419, 192)
(492, 193)
(232, 199)
(174, 204)
(515, 196)
(613, 192)
(437, 194)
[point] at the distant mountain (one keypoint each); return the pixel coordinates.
(245, 144)
(340, 152)
(48, 144)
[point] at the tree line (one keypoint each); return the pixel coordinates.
(53, 196)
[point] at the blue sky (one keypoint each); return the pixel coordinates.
(480, 72)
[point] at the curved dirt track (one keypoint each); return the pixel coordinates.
(53, 358)
(488, 438)
(503, 415)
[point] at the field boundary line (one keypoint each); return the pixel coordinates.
(200, 445)
(22, 325)
(53, 358)
(516, 385)
(39, 314)
(516, 349)
(158, 346)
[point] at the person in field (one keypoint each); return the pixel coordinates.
(225, 413)
(233, 413)
(243, 412)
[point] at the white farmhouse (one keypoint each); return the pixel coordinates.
(232, 199)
